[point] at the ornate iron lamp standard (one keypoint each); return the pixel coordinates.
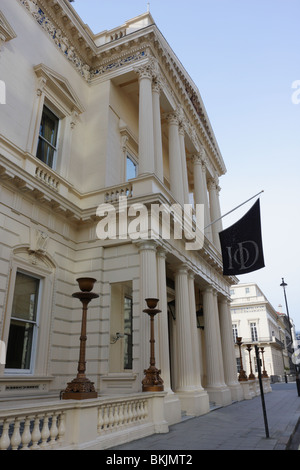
(251, 375)
(264, 372)
(81, 388)
(242, 375)
(152, 381)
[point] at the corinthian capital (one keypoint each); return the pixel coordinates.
(157, 85)
(213, 184)
(144, 71)
(149, 70)
(171, 118)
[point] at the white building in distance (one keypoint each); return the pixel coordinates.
(256, 321)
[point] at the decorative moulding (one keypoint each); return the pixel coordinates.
(60, 86)
(6, 31)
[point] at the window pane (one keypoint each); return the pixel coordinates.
(49, 127)
(25, 297)
(45, 152)
(130, 169)
(127, 333)
(48, 137)
(19, 345)
(23, 322)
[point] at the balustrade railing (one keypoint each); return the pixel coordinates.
(119, 415)
(100, 423)
(47, 178)
(32, 431)
(113, 195)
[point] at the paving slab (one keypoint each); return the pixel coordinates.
(239, 426)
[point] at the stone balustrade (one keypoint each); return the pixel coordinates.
(88, 424)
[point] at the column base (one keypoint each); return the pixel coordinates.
(219, 395)
(194, 403)
(249, 390)
(267, 385)
(236, 392)
(172, 409)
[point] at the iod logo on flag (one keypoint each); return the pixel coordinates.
(2, 92)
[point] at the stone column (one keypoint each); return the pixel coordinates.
(229, 361)
(172, 402)
(185, 184)
(196, 347)
(158, 155)
(215, 211)
(200, 189)
(148, 289)
(163, 334)
(216, 388)
(175, 159)
(194, 400)
(146, 132)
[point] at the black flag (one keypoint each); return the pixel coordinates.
(241, 244)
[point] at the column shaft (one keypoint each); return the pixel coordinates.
(200, 189)
(175, 159)
(215, 212)
(185, 375)
(146, 133)
(148, 289)
(158, 155)
(185, 184)
(229, 360)
(194, 332)
(211, 325)
(162, 320)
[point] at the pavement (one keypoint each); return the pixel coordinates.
(239, 426)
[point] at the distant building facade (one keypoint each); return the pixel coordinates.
(256, 321)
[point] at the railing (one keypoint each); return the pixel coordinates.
(32, 431)
(116, 416)
(47, 178)
(113, 195)
(266, 339)
(96, 424)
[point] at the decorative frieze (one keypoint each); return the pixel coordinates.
(58, 36)
(121, 62)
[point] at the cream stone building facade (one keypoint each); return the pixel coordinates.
(90, 118)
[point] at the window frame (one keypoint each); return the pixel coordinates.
(55, 92)
(45, 269)
(253, 328)
(33, 353)
(56, 148)
(131, 157)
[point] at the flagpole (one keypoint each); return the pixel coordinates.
(217, 220)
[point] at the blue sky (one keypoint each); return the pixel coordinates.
(244, 56)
